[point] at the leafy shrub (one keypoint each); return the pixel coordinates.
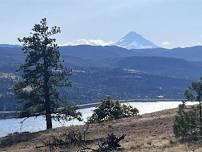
(110, 110)
(187, 123)
(111, 143)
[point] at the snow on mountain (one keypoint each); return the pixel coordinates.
(88, 42)
(134, 40)
(131, 41)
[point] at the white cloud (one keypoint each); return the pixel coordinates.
(198, 43)
(88, 42)
(165, 43)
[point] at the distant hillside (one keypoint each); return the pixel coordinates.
(10, 58)
(115, 71)
(164, 66)
(95, 52)
(103, 52)
(123, 84)
(188, 53)
(90, 85)
(7, 100)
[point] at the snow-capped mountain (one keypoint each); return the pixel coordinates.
(92, 42)
(134, 40)
(131, 41)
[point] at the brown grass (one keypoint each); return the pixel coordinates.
(148, 133)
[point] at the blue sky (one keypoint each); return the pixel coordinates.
(168, 23)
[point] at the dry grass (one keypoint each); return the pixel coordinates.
(148, 133)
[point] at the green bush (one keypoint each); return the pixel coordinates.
(187, 123)
(110, 110)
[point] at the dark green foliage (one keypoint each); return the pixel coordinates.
(109, 110)
(194, 93)
(186, 124)
(42, 75)
(111, 143)
(188, 121)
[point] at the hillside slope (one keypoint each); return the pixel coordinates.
(148, 133)
(110, 70)
(188, 53)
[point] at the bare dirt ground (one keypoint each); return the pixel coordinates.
(147, 133)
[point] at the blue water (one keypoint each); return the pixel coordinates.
(36, 124)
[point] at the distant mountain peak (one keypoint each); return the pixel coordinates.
(133, 40)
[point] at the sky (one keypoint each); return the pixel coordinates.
(167, 23)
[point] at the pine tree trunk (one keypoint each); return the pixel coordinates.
(47, 105)
(47, 96)
(48, 112)
(47, 108)
(48, 121)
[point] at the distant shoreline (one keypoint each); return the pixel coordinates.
(89, 105)
(14, 114)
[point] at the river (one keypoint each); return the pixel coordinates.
(36, 124)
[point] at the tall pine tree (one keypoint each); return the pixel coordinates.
(42, 76)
